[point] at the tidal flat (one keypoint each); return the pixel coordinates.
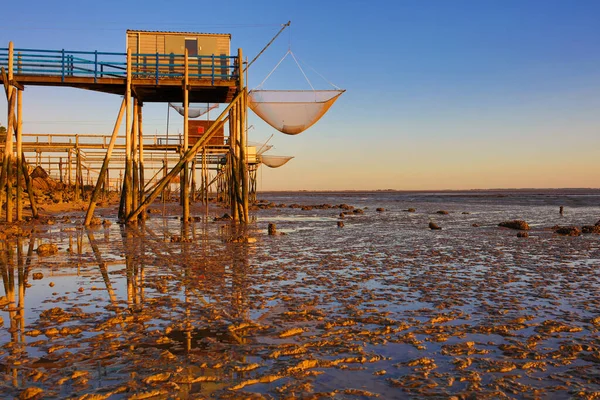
(381, 307)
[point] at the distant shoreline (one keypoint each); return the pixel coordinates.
(450, 191)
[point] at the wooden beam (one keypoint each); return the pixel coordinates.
(111, 145)
(17, 84)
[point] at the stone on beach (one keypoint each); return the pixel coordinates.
(47, 249)
(568, 231)
(515, 224)
(272, 229)
(434, 226)
(590, 229)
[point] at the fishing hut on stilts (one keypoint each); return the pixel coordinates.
(157, 67)
(166, 67)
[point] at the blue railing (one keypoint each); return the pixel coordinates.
(66, 63)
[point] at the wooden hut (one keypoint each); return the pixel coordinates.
(204, 49)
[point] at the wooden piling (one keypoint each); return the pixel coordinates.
(185, 194)
(19, 133)
(142, 182)
(126, 199)
(135, 177)
(193, 188)
(69, 168)
(8, 144)
(243, 142)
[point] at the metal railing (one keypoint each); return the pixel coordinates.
(98, 65)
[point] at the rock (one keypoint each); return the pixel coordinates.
(340, 224)
(411, 210)
(568, 231)
(560, 210)
(523, 234)
(598, 223)
(434, 226)
(515, 224)
(95, 221)
(465, 213)
(342, 215)
(442, 212)
(272, 229)
(47, 249)
(51, 284)
(475, 225)
(358, 211)
(225, 217)
(37, 276)
(31, 392)
(345, 207)
(380, 209)
(590, 229)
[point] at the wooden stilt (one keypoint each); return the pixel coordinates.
(233, 139)
(243, 159)
(126, 200)
(142, 182)
(77, 173)
(193, 188)
(164, 168)
(185, 194)
(104, 169)
(80, 193)
(29, 184)
(8, 144)
(69, 169)
(135, 186)
(19, 133)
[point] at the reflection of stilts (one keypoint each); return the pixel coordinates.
(16, 306)
(131, 268)
(103, 270)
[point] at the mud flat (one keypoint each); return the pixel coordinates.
(384, 307)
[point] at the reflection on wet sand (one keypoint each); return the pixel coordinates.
(164, 309)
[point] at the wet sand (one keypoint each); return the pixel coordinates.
(383, 307)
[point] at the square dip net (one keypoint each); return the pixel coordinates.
(292, 111)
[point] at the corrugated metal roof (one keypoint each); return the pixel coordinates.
(180, 33)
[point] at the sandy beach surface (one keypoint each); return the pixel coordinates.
(381, 307)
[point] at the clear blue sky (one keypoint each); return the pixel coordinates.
(440, 94)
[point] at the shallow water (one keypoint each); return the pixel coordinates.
(381, 307)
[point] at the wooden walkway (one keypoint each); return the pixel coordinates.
(139, 78)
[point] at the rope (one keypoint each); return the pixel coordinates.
(273, 70)
(316, 72)
(301, 70)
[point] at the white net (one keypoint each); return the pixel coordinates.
(274, 161)
(194, 112)
(292, 111)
